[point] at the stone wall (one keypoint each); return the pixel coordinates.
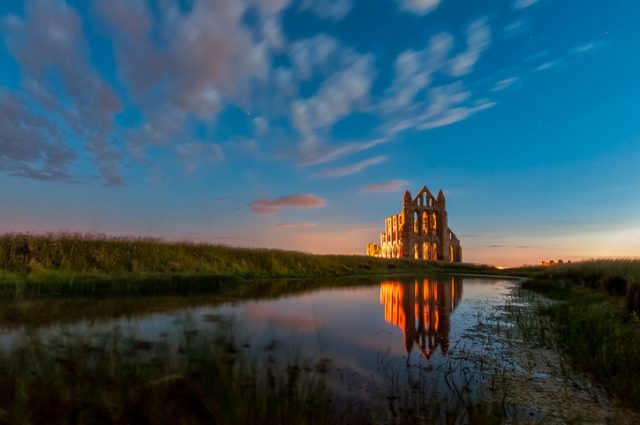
(420, 230)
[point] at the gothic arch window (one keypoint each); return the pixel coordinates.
(425, 251)
(434, 251)
(416, 223)
(451, 257)
(425, 222)
(416, 251)
(433, 221)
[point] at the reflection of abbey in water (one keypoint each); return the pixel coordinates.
(422, 310)
(419, 231)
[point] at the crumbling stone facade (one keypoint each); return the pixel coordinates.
(419, 231)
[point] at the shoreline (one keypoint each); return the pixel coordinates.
(56, 284)
(77, 265)
(593, 319)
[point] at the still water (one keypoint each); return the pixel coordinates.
(382, 341)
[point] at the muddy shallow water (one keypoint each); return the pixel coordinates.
(448, 343)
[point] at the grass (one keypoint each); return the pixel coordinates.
(73, 264)
(198, 377)
(596, 320)
(114, 378)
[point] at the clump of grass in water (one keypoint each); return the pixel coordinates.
(596, 323)
(203, 378)
(118, 379)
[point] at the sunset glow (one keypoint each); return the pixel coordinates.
(299, 124)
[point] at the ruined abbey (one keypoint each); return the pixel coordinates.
(419, 231)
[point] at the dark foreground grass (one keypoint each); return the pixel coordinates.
(200, 377)
(117, 379)
(596, 321)
(71, 264)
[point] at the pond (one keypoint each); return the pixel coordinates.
(449, 349)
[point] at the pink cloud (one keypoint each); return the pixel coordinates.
(389, 186)
(301, 224)
(307, 200)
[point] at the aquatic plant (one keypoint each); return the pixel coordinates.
(115, 378)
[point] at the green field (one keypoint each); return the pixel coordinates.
(74, 264)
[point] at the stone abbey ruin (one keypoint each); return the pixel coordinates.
(419, 231)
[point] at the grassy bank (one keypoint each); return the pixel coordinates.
(45, 310)
(596, 321)
(70, 264)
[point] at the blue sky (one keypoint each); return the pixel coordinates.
(298, 124)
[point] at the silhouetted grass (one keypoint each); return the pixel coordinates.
(201, 377)
(115, 378)
(72, 264)
(597, 319)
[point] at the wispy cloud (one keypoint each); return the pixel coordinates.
(298, 225)
(192, 153)
(328, 9)
(389, 186)
(523, 4)
(322, 153)
(584, 48)
(413, 72)
(478, 39)
(548, 65)
(420, 7)
(49, 39)
(343, 93)
(516, 28)
(168, 88)
(504, 83)
(414, 104)
(353, 168)
(308, 200)
(30, 145)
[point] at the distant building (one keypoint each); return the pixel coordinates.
(419, 231)
(554, 263)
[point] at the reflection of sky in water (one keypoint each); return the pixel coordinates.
(365, 331)
(349, 326)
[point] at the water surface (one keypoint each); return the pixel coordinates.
(388, 339)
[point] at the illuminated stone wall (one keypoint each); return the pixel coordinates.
(420, 230)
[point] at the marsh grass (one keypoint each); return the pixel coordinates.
(203, 377)
(73, 264)
(114, 378)
(594, 321)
